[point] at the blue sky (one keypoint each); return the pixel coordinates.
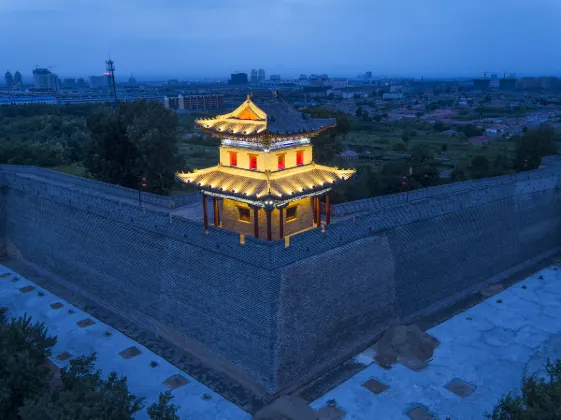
(197, 38)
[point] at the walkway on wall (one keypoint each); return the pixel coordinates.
(484, 353)
(78, 333)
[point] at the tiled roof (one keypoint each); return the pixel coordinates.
(279, 185)
(266, 116)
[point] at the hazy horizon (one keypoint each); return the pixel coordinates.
(187, 40)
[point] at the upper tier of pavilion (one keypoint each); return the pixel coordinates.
(264, 124)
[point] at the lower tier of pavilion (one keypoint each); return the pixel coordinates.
(265, 188)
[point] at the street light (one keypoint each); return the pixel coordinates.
(142, 186)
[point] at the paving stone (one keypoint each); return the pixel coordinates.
(420, 413)
(130, 353)
(374, 386)
(176, 381)
(27, 289)
(459, 387)
(64, 356)
(85, 323)
(56, 305)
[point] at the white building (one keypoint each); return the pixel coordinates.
(26, 100)
(392, 96)
(44, 79)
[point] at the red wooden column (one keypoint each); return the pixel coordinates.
(269, 230)
(205, 212)
(281, 222)
(327, 209)
(216, 211)
(314, 210)
(256, 222)
(318, 212)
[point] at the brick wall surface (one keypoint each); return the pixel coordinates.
(281, 313)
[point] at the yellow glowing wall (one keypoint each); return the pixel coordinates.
(304, 219)
(265, 160)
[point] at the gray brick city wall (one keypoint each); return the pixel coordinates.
(418, 255)
(282, 314)
(148, 267)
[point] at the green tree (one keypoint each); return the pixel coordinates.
(421, 152)
(111, 156)
(540, 399)
(406, 135)
(85, 395)
(471, 130)
(460, 173)
(164, 409)
(479, 166)
(399, 146)
(23, 373)
(501, 164)
(533, 145)
(134, 141)
(342, 125)
(29, 391)
(326, 146)
(358, 112)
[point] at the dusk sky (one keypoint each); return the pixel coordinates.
(193, 39)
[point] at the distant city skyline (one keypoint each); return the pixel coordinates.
(190, 41)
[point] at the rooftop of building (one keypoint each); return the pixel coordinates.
(253, 186)
(264, 115)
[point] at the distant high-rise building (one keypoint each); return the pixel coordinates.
(69, 83)
(507, 83)
(100, 82)
(18, 80)
(132, 81)
(238, 79)
(44, 79)
(261, 75)
(8, 79)
(368, 75)
(254, 76)
(275, 77)
(80, 83)
(303, 77)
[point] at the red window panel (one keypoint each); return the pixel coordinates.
(280, 159)
(252, 161)
(233, 159)
(299, 157)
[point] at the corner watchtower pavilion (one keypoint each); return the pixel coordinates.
(266, 178)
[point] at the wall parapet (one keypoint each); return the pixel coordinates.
(173, 226)
(169, 202)
(550, 164)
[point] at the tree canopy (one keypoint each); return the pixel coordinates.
(533, 145)
(137, 140)
(540, 398)
(30, 391)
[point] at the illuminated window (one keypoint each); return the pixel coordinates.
(252, 161)
(299, 157)
(280, 159)
(291, 213)
(243, 214)
(233, 158)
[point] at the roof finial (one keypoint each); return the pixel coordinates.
(249, 96)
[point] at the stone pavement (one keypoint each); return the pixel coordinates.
(484, 353)
(79, 333)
